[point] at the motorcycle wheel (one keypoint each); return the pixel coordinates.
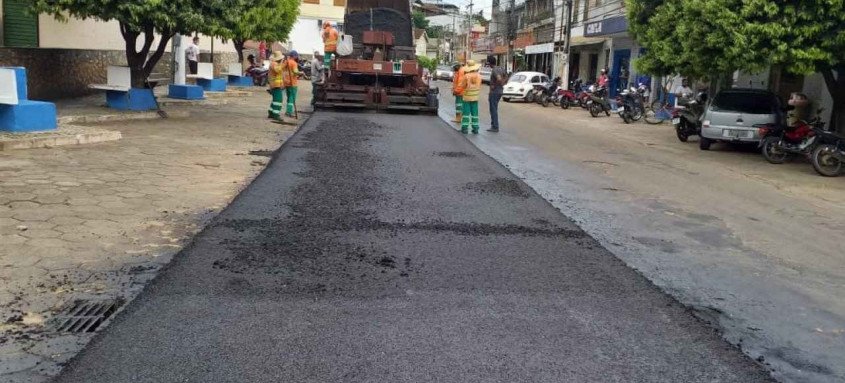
(638, 114)
(625, 117)
(651, 117)
(825, 162)
(564, 103)
(772, 152)
(681, 132)
(595, 109)
(544, 101)
(529, 97)
(583, 103)
(607, 112)
(556, 101)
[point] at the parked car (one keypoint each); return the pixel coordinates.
(443, 72)
(485, 73)
(733, 114)
(520, 84)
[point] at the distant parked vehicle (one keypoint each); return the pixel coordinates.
(599, 101)
(780, 141)
(687, 119)
(521, 84)
(443, 72)
(733, 114)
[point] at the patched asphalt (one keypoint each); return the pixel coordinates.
(388, 248)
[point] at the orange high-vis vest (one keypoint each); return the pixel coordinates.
(472, 86)
(330, 39)
(457, 85)
(275, 76)
(290, 72)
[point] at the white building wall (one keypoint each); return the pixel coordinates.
(105, 35)
(306, 36)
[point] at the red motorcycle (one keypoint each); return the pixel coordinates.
(780, 141)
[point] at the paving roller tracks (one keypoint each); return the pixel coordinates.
(388, 248)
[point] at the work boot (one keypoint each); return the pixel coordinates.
(474, 130)
(458, 118)
(464, 130)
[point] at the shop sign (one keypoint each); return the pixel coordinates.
(540, 48)
(607, 26)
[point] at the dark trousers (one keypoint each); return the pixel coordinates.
(494, 98)
(192, 66)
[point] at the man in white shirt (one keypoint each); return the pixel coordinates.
(193, 54)
(683, 93)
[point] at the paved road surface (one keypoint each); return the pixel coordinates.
(754, 246)
(388, 248)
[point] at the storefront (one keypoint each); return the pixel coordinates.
(620, 50)
(539, 58)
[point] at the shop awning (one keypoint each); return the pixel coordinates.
(582, 40)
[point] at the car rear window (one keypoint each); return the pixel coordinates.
(745, 102)
(518, 78)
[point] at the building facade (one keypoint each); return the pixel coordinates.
(83, 49)
(306, 35)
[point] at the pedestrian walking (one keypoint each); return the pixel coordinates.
(330, 37)
(498, 79)
(458, 91)
(471, 83)
(193, 54)
(290, 76)
(276, 85)
(316, 75)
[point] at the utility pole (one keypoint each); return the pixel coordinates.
(511, 36)
(565, 67)
(468, 50)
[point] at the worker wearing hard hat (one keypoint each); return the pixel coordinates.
(330, 37)
(290, 77)
(458, 91)
(471, 83)
(276, 83)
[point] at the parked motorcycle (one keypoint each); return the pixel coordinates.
(598, 101)
(582, 93)
(258, 74)
(687, 119)
(780, 141)
(827, 158)
(547, 90)
(632, 105)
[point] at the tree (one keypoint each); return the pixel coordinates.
(709, 38)
(419, 20)
(147, 19)
(263, 20)
(804, 36)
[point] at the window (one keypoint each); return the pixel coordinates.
(746, 102)
(311, 1)
(20, 29)
(339, 3)
(575, 11)
(535, 80)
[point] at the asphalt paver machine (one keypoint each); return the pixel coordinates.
(382, 72)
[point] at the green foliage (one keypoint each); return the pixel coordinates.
(263, 20)
(419, 20)
(427, 62)
(435, 31)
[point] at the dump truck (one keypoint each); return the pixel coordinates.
(382, 72)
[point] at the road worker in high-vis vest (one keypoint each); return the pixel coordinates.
(458, 91)
(290, 78)
(471, 83)
(330, 37)
(276, 83)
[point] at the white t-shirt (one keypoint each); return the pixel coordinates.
(193, 52)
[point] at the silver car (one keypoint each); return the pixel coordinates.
(443, 72)
(733, 114)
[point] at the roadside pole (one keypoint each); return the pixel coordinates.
(565, 75)
(179, 59)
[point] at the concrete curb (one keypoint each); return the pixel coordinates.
(66, 135)
(93, 119)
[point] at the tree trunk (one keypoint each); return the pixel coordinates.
(140, 62)
(239, 47)
(835, 81)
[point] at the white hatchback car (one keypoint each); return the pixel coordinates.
(520, 83)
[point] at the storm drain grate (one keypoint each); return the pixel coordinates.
(84, 316)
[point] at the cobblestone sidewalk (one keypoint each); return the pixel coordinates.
(96, 222)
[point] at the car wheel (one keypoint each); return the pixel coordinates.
(704, 143)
